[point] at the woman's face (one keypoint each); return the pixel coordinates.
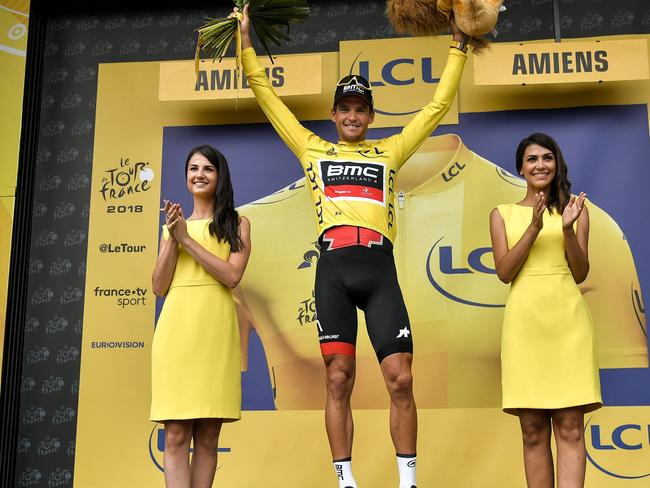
(538, 167)
(201, 176)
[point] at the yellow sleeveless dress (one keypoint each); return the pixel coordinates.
(548, 349)
(195, 355)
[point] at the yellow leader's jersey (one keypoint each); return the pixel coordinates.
(353, 183)
(444, 196)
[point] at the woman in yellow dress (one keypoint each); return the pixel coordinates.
(548, 352)
(196, 380)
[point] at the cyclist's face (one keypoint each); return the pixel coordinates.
(352, 117)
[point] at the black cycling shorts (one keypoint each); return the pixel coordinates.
(362, 277)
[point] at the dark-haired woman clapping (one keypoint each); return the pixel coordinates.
(548, 352)
(196, 382)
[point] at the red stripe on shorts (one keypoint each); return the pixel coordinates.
(351, 235)
(327, 348)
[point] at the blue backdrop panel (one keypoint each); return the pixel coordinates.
(607, 150)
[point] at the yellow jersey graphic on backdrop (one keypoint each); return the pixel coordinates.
(445, 193)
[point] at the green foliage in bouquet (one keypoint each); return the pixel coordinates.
(268, 18)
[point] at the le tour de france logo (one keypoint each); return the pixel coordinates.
(127, 178)
(618, 443)
(157, 448)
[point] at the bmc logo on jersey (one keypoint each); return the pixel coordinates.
(353, 180)
(618, 442)
(465, 276)
(157, 447)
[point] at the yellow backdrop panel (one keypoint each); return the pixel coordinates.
(291, 75)
(118, 446)
(566, 62)
(13, 43)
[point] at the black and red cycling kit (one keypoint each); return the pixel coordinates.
(352, 186)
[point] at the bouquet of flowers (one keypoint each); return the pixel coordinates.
(268, 18)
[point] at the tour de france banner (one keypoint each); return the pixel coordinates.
(13, 45)
(445, 192)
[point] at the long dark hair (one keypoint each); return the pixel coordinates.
(560, 190)
(225, 221)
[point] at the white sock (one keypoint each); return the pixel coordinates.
(406, 466)
(343, 469)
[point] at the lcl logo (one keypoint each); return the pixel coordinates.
(422, 66)
(620, 449)
(453, 171)
(440, 267)
(157, 447)
(411, 70)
